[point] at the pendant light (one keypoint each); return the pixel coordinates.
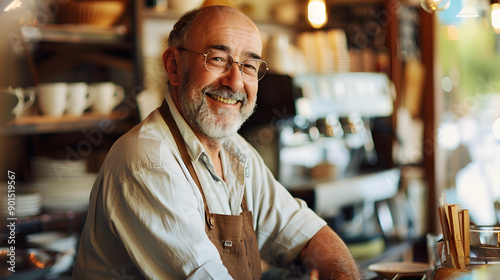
(495, 17)
(434, 6)
(316, 13)
(468, 11)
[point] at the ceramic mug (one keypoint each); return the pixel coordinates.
(14, 102)
(79, 99)
(52, 98)
(107, 96)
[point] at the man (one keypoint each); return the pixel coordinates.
(182, 195)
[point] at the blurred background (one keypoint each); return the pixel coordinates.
(373, 111)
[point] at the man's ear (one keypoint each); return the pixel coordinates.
(170, 62)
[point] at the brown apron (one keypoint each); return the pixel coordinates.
(232, 235)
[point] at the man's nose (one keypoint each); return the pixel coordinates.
(233, 77)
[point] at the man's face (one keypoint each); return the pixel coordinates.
(217, 104)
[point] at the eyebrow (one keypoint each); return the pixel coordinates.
(228, 50)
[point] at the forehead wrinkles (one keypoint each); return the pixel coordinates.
(236, 38)
(231, 32)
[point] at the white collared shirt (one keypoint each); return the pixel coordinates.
(146, 214)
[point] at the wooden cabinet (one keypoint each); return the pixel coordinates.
(72, 53)
(81, 53)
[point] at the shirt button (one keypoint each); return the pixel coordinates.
(247, 172)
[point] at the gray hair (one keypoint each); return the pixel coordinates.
(177, 37)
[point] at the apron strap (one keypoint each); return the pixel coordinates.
(244, 206)
(181, 145)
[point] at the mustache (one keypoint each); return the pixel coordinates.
(226, 93)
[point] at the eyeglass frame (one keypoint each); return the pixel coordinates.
(234, 61)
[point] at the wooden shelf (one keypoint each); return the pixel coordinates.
(45, 124)
(72, 33)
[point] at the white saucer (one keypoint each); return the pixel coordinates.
(390, 269)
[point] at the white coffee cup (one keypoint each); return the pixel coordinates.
(107, 96)
(25, 98)
(52, 98)
(14, 101)
(79, 99)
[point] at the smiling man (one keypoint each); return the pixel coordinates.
(182, 195)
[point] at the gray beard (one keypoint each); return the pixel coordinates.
(219, 125)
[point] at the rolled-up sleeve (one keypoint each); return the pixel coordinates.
(284, 224)
(299, 229)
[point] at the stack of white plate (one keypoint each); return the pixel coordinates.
(325, 55)
(340, 60)
(306, 42)
(24, 203)
(64, 185)
(325, 51)
(44, 167)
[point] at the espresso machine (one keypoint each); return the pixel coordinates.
(320, 127)
(328, 137)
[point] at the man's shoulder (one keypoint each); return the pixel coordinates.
(145, 142)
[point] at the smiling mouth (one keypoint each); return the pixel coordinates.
(229, 101)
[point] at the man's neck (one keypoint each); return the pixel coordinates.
(212, 148)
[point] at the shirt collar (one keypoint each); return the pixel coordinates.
(234, 149)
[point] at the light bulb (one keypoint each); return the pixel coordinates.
(495, 17)
(316, 13)
(448, 136)
(434, 6)
(496, 128)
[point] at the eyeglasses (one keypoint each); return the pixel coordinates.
(252, 70)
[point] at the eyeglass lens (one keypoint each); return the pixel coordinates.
(219, 62)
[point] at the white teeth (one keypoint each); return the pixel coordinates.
(224, 100)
